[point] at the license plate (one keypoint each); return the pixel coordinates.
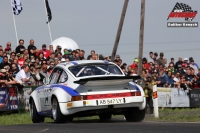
(110, 101)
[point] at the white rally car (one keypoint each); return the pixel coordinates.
(87, 88)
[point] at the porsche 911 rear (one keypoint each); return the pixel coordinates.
(107, 97)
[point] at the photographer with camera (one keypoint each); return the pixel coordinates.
(147, 85)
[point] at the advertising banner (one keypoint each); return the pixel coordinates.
(195, 98)
(164, 97)
(8, 99)
(179, 98)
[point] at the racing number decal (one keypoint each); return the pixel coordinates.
(155, 95)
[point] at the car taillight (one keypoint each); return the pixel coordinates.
(78, 98)
(136, 93)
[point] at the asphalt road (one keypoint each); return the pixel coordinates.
(95, 126)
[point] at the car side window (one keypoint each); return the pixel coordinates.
(55, 76)
(63, 77)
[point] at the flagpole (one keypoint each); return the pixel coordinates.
(14, 23)
(47, 21)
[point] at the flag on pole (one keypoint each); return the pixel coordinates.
(48, 11)
(17, 7)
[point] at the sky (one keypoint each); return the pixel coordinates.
(93, 25)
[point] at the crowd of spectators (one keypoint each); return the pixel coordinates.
(29, 65)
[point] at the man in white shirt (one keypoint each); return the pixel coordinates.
(23, 76)
(150, 58)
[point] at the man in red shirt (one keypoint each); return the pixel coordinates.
(45, 51)
(20, 59)
(135, 64)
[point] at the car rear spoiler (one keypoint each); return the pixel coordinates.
(85, 80)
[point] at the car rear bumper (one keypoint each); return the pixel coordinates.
(78, 106)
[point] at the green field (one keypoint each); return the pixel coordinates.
(169, 115)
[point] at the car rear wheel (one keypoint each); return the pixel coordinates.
(58, 117)
(135, 115)
(36, 118)
(105, 117)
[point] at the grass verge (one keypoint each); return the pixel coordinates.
(169, 115)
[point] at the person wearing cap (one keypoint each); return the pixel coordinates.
(191, 58)
(20, 59)
(180, 70)
(193, 66)
(62, 60)
(161, 60)
(66, 54)
(58, 49)
(135, 64)
(117, 57)
(20, 48)
(45, 51)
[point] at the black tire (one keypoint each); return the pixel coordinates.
(58, 117)
(69, 118)
(36, 118)
(105, 117)
(135, 115)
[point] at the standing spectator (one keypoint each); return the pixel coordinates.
(194, 66)
(58, 50)
(172, 61)
(171, 68)
(191, 58)
(1, 55)
(169, 80)
(185, 61)
(8, 48)
(20, 59)
(32, 49)
(179, 62)
(20, 48)
(161, 60)
(90, 56)
(23, 76)
(189, 77)
(5, 63)
(165, 60)
(51, 47)
(150, 58)
(180, 70)
(45, 51)
(59, 56)
(177, 77)
(161, 79)
(52, 57)
(81, 55)
(155, 58)
(12, 57)
(135, 64)
(41, 56)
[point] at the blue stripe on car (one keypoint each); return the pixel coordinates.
(105, 61)
(74, 63)
(137, 89)
(67, 89)
(39, 88)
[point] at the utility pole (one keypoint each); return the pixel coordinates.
(141, 37)
(119, 30)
